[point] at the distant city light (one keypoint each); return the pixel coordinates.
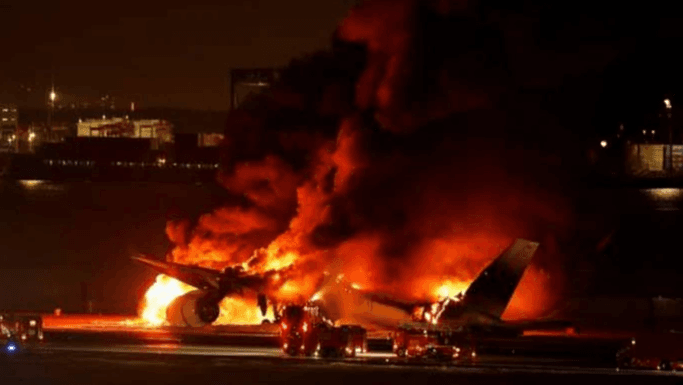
(603, 143)
(652, 132)
(53, 95)
(667, 103)
(644, 132)
(31, 136)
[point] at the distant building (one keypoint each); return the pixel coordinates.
(9, 120)
(210, 139)
(159, 131)
(648, 158)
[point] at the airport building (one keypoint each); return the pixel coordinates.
(9, 120)
(157, 130)
(645, 158)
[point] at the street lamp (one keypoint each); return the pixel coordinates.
(51, 107)
(667, 104)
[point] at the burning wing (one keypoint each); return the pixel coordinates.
(199, 277)
(201, 307)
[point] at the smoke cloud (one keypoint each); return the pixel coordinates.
(408, 156)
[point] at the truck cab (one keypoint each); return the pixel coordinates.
(303, 330)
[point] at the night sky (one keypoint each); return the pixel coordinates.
(171, 54)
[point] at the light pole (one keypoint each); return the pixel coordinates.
(667, 104)
(51, 107)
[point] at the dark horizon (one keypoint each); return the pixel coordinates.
(175, 55)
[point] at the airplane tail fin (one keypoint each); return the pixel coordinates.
(491, 291)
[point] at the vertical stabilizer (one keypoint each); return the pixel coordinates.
(490, 293)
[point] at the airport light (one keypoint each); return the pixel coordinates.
(603, 144)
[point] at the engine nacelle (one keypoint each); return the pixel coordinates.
(192, 309)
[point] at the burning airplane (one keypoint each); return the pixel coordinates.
(403, 164)
(479, 309)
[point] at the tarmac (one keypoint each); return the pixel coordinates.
(124, 352)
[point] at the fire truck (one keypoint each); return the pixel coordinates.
(663, 351)
(305, 331)
(26, 327)
(425, 341)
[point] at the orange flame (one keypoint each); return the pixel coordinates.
(240, 311)
(450, 288)
(157, 298)
(160, 295)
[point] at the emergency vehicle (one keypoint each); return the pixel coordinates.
(26, 327)
(305, 331)
(425, 341)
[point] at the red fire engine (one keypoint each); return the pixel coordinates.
(424, 341)
(304, 331)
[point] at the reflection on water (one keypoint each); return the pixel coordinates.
(30, 183)
(664, 199)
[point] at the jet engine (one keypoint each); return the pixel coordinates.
(194, 309)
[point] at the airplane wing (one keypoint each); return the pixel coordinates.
(199, 277)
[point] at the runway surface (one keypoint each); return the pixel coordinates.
(115, 352)
(58, 363)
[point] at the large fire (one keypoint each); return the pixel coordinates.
(157, 298)
(376, 167)
(234, 310)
